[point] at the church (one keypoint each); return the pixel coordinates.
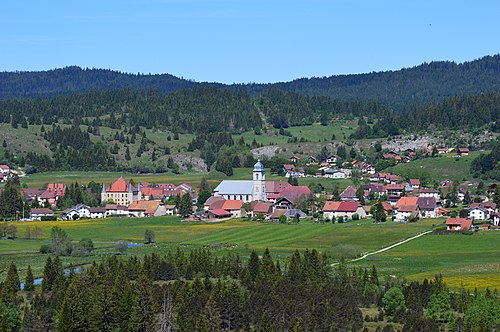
(245, 190)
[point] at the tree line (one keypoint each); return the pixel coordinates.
(202, 292)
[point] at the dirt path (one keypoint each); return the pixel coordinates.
(387, 248)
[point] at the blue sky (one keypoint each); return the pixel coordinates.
(245, 41)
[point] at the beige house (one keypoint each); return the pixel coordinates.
(120, 192)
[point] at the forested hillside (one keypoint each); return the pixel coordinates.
(74, 79)
(425, 83)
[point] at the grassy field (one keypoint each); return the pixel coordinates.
(437, 169)
(469, 259)
(313, 133)
(42, 179)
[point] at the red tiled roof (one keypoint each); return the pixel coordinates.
(294, 192)
(155, 192)
(149, 207)
(331, 206)
(407, 208)
(341, 206)
(119, 185)
(406, 201)
(97, 210)
(348, 206)
(387, 207)
(262, 207)
(220, 212)
(414, 182)
(463, 222)
(232, 204)
(276, 186)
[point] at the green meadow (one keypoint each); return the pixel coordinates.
(83, 177)
(447, 167)
(471, 259)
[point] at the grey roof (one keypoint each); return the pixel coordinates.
(291, 213)
(258, 167)
(235, 187)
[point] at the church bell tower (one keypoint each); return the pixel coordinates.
(259, 182)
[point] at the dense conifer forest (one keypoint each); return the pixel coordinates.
(425, 83)
(199, 292)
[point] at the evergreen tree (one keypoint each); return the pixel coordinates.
(186, 205)
(253, 265)
(29, 283)
(145, 306)
(265, 323)
(11, 285)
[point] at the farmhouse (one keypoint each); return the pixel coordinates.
(213, 202)
(4, 169)
(406, 208)
(427, 207)
(335, 209)
(482, 211)
(334, 174)
(53, 192)
(349, 194)
(146, 209)
(414, 183)
(292, 171)
(458, 224)
(77, 212)
(116, 210)
(462, 152)
(97, 212)
(38, 213)
(235, 207)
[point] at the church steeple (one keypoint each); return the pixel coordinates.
(259, 182)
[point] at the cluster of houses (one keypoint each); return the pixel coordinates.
(5, 172)
(328, 168)
(403, 202)
(269, 200)
(121, 198)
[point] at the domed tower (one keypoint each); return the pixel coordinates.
(259, 182)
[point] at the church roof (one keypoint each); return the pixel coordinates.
(235, 187)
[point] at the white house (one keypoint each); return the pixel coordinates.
(334, 174)
(116, 210)
(38, 213)
(478, 213)
(76, 212)
(331, 159)
(97, 212)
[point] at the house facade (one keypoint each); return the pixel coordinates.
(120, 192)
(77, 212)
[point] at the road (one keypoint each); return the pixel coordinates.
(387, 248)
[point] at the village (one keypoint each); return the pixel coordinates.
(382, 197)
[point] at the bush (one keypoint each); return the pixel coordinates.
(355, 216)
(149, 236)
(122, 246)
(45, 249)
(48, 218)
(346, 251)
(340, 220)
